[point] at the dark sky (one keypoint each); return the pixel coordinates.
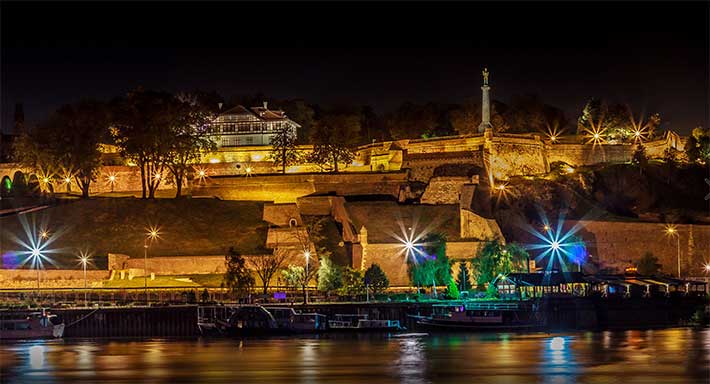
(652, 55)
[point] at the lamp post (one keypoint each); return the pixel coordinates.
(307, 254)
(36, 257)
(85, 260)
(707, 278)
(151, 235)
(672, 231)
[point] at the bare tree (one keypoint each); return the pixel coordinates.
(266, 266)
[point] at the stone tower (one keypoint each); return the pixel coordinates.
(485, 104)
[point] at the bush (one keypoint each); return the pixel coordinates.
(452, 291)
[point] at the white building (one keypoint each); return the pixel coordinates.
(249, 126)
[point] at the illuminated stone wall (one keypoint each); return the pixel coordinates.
(617, 245)
(288, 188)
(392, 260)
(444, 190)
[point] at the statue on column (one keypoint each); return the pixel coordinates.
(485, 76)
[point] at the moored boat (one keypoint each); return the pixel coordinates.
(259, 320)
(481, 316)
(30, 325)
(361, 323)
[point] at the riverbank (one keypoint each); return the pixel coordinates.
(559, 314)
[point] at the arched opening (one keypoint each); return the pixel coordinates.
(19, 184)
(292, 223)
(5, 186)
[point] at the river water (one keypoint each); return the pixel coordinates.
(677, 355)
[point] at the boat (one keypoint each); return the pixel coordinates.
(481, 316)
(361, 323)
(298, 322)
(30, 325)
(259, 320)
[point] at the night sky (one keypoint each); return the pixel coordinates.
(651, 55)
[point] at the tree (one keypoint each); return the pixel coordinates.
(648, 265)
(266, 267)
(238, 278)
(698, 146)
(462, 277)
(333, 137)
(639, 157)
(188, 139)
(143, 125)
(294, 276)
(609, 121)
(452, 291)
(353, 282)
(302, 113)
(431, 267)
(67, 143)
(284, 151)
(496, 259)
(329, 275)
(376, 279)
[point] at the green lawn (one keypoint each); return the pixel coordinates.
(118, 225)
(159, 282)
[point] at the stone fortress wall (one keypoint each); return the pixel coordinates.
(246, 168)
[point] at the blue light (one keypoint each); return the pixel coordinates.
(557, 245)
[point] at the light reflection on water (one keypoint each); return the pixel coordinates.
(660, 356)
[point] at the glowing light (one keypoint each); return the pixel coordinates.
(46, 180)
(112, 178)
(557, 344)
(595, 133)
(640, 129)
(557, 244)
(157, 176)
(707, 267)
(409, 245)
(84, 258)
(248, 171)
(307, 254)
(153, 232)
(553, 132)
(201, 173)
(67, 180)
(671, 229)
(569, 169)
(214, 161)
(500, 187)
(44, 234)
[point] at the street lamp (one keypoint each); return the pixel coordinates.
(707, 278)
(307, 254)
(37, 260)
(84, 259)
(153, 234)
(671, 230)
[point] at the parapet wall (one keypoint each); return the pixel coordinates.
(288, 188)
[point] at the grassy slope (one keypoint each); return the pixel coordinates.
(187, 227)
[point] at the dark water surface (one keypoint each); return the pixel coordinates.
(651, 356)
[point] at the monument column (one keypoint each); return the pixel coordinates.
(485, 105)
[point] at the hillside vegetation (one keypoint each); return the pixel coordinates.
(119, 225)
